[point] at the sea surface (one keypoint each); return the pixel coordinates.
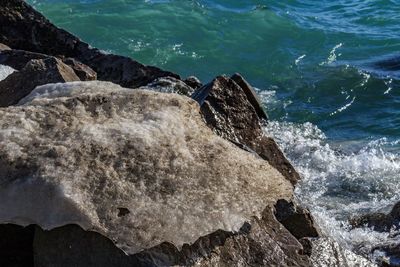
(328, 72)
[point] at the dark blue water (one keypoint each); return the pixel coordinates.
(327, 71)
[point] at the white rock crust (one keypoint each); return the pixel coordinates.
(86, 152)
(5, 71)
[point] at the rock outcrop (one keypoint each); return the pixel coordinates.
(22, 27)
(234, 113)
(37, 72)
(17, 59)
(142, 169)
(379, 221)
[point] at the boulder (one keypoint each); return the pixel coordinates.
(85, 73)
(296, 219)
(251, 95)
(143, 172)
(380, 222)
(226, 108)
(193, 82)
(17, 59)
(37, 72)
(22, 27)
(171, 85)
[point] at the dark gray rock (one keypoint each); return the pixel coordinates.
(251, 95)
(22, 27)
(227, 110)
(85, 73)
(296, 219)
(193, 82)
(37, 72)
(379, 221)
(17, 59)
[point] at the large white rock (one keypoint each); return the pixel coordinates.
(140, 167)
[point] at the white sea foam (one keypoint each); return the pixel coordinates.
(5, 71)
(341, 180)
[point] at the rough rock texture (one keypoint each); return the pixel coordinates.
(297, 220)
(327, 253)
(83, 152)
(193, 82)
(85, 73)
(17, 59)
(171, 85)
(37, 72)
(21, 27)
(229, 112)
(379, 221)
(251, 95)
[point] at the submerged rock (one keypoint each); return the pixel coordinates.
(227, 109)
(379, 221)
(22, 27)
(139, 167)
(37, 72)
(17, 59)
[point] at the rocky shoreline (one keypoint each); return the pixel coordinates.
(171, 173)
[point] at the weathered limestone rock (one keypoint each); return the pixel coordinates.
(17, 59)
(139, 167)
(22, 27)
(229, 112)
(171, 85)
(37, 72)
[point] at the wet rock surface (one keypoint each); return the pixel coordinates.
(379, 221)
(228, 111)
(385, 223)
(22, 27)
(36, 72)
(171, 85)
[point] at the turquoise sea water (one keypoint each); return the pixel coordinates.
(318, 67)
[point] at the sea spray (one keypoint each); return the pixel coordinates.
(338, 184)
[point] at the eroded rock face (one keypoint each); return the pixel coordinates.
(37, 72)
(21, 27)
(229, 112)
(83, 152)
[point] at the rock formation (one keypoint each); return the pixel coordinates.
(17, 59)
(235, 115)
(142, 169)
(37, 72)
